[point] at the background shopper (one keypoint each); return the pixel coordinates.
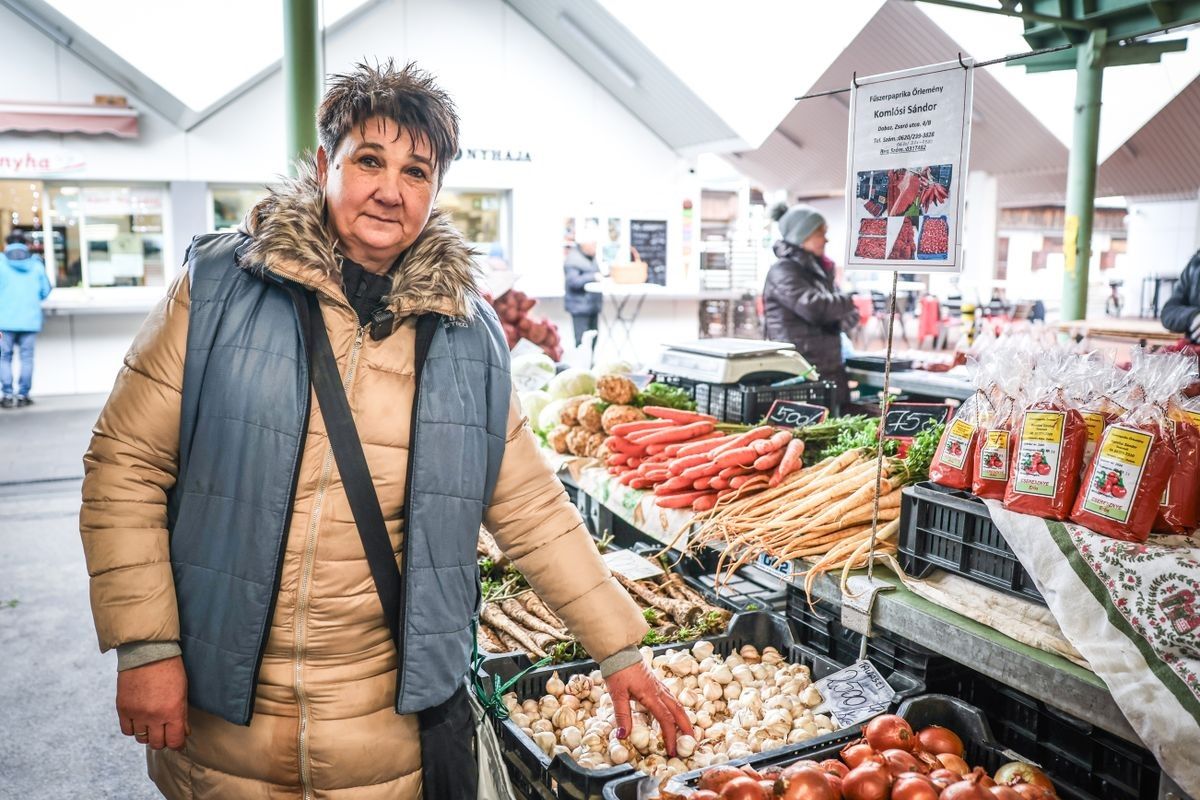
(1182, 312)
(579, 269)
(23, 287)
(801, 301)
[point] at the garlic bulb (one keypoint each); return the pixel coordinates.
(559, 750)
(824, 723)
(569, 701)
(598, 695)
(682, 664)
(520, 719)
(592, 741)
(547, 706)
(511, 702)
(688, 698)
(733, 690)
(580, 686)
(542, 726)
(545, 741)
(676, 766)
(771, 656)
(743, 675)
(713, 691)
(722, 674)
(674, 684)
(811, 697)
(708, 665)
(716, 732)
(691, 682)
(639, 738)
(617, 753)
(570, 736)
(596, 677)
(684, 746)
(759, 672)
(554, 685)
(703, 720)
(749, 654)
(798, 735)
(702, 650)
(738, 750)
(531, 708)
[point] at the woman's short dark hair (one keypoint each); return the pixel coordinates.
(408, 97)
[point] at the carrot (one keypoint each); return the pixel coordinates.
(739, 481)
(776, 442)
(623, 445)
(701, 471)
(616, 459)
(703, 483)
(741, 457)
(655, 449)
(704, 502)
(634, 461)
(625, 479)
(657, 475)
(626, 428)
(744, 439)
(677, 415)
(769, 461)
(733, 472)
(681, 500)
(677, 434)
(640, 483)
(791, 458)
(705, 444)
(673, 485)
(677, 448)
(718, 483)
(686, 462)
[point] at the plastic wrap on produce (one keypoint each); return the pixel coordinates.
(667, 525)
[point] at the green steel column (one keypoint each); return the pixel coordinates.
(1081, 177)
(301, 76)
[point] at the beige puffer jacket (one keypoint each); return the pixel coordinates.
(323, 724)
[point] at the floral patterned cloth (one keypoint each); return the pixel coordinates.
(1133, 611)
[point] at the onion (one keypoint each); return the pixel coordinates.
(980, 776)
(752, 772)
(714, 779)
(743, 787)
(953, 763)
(890, 731)
(900, 761)
(1028, 791)
(965, 790)
(944, 777)
(803, 783)
(834, 767)
(867, 782)
(913, 786)
(835, 784)
(1019, 772)
(937, 739)
(1004, 792)
(856, 753)
(705, 794)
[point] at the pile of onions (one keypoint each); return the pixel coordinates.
(891, 762)
(745, 703)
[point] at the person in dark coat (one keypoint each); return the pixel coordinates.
(801, 301)
(580, 268)
(1181, 313)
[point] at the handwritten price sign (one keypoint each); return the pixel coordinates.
(854, 694)
(906, 420)
(791, 414)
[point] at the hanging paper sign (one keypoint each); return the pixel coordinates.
(906, 420)
(631, 566)
(907, 167)
(854, 694)
(792, 414)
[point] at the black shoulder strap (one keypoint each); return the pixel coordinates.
(348, 452)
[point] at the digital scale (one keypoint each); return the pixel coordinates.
(733, 361)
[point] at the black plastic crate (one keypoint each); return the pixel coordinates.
(686, 384)
(952, 530)
(968, 722)
(561, 777)
(746, 590)
(820, 628)
(1093, 764)
(735, 402)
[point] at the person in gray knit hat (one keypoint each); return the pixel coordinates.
(801, 301)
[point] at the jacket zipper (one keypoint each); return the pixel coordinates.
(303, 596)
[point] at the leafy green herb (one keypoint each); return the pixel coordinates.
(651, 617)
(752, 607)
(660, 394)
(653, 638)
(567, 651)
(921, 452)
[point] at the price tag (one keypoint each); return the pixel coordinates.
(906, 420)
(792, 414)
(632, 566)
(854, 694)
(774, 565)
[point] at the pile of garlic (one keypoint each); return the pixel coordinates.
(748, 702)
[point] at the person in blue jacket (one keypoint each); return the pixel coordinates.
(23, 287)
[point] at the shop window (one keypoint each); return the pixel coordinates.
(1050, 245)
(230, 204)
(107, 235)
(481, 217)
(1002, 258)
(1108, 259)
(21, 205)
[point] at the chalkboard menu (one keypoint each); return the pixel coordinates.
(906, 420)
(649, 236)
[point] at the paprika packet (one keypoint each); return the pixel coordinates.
(1179, 511)
(1125, 481)
(953, 460)
(993, 457)
(1047, 454)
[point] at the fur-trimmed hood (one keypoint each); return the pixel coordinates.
(290, 238)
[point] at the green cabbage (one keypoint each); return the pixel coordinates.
(532, 404)
(549, 416)
(570, 383)
(613, 368)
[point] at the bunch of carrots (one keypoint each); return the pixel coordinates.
(691, 462)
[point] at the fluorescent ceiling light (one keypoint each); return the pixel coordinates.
(599, 53)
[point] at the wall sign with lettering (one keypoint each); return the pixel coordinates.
(794, 414)
(649, 236)
(906, 420)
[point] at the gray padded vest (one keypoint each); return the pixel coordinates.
(242, 429)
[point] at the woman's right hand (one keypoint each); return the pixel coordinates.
(152, 703)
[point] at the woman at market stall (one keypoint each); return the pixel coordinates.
(801, 302)
(231, 564)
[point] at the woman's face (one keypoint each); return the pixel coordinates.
(816, 242)
(379, 188)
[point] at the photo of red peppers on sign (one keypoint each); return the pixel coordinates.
(872, 227)
(1035, 463)
(935, 236)
(905, 246)
(933, 191)
(871, 247)
(1111, 483)
(904, 186)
